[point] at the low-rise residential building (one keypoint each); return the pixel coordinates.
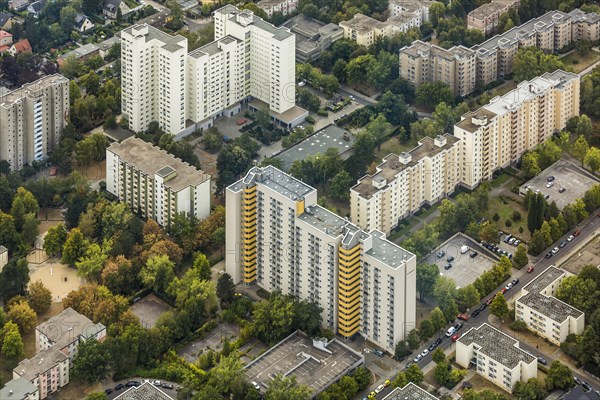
(32, 119)
(105, 46)
(22, 46)
(410, 8)
(6, 20)
(19, 389)
(365, 30)
(423, 62)
(36, 7)
(155, 183)
(496, 356)
(486, 17)
(18, 5)
(313, 37)
(83, 23)
(65, 331)
(409, 392)
(6, 38)
(543, 313)
(279, 238)
(498, 133)
(48, 371)
(111, 8)
(81, 53)
(404, 183)
(283, 6)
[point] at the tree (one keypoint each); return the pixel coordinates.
(55, 239)
(90, 265)
(30, 228)
(530, 390)
(400, 380)
(401, 350)
(75, 247)
(426, 329)
(436, 11)
(212, 140)
(202, 265)
(23, 203)
(339, 186)
(12, 344)
(413, 339)
(438, 355)
(580, 149)
(157, 273)
(531, 62)
(90, 362)
(39, 297)
(414, 374)
(530, 165)
(559, 376)
(520, 259)
(444, 291)
(499, 307)
(427, 276)
(14, 278)
(286, 388)
(584, 127)
(438, 320)
(430, 94)
(537, 208)
(91, 148)
(307, 317)
(442, 373)
(592, 159)
(467, 297)
(8, 233)
(225, 288)
(119, 275)
(273, 318)
(23, 315)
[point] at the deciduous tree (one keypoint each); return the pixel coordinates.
(39, 297)
(23, 315)
(12, 344)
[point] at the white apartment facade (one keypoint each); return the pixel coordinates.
(496, 355)
(249, 59)
(280, 239)
(403, 183)
(498, 133)
(283, 6)
(155, 183)
(47, 371)
(32, 119)
(543, 313)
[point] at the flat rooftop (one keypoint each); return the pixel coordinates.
(548, 306)
(466, 122)
(150, 159)
(287, 116)
(487, 9)
(319, 142)
(410, 392)
(32, 89)
(29, 368)
(277, 180)
(362, 23)
(392, 165)
(174, 42)
(581, 16)
(81, 51)
(315, 367)
(497, 345)
(423, 49)
(66, 327)
(387, 252)
(324, 220)
(278, 33)
(17, 389)
(145, 391)
(213, 47)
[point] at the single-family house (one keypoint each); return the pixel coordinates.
(6, 38)
(111, 6)
(6, 20)
(18, 5)
(22, 46)
(83, 23)
(36, 7)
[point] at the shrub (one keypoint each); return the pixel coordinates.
(322, 112)
(508, 223)
(516, 216)
(521, 229)
(310, 119)
(518, 325)
(496, 217)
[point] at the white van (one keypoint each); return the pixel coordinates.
(450, 331)
(464, 249)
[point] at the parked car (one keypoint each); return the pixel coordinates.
(387, 383)
(577, 381)
(507, 238)
(119, 386)
(549, 254)
(464, 249)
(514, 282)
(489, 301)
(475, 313)
(450, 259)
(542, 361)
(549, 184)
(379, 389)
(438, 341)
(504, 289)
(424, 352)
(108, 391)
(585, 386)
(482, 307)
(464, 317)
(378, 353)
(474, 254)
(418, 358)
(441, 254)
(550, 178)
(447, 266)
(509, 286)
(255, 385)
(432, 346)
(576, 233)
(458, 326)
(555, 250)
(562, 244)
(570, 238)
(517, 242)
(511, 241)
(168, 385)
(455, 337)
(530, 269)
(157, 383)
(450, 331)
(562, 190)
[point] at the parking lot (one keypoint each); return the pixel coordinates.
(149, 309)
(567, 176)
(465, 269)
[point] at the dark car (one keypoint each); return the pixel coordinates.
(514, 282)
(167, 385)
(475, 313)
(482, 307)
(447, 266)
(438, 341)
(549, 254)
(563, 244)
(432, 347)
(450, 259)
(408, 364)
(378, 353)
(108, 391)
(458, 326)
(119, 386)
(542, 361)
(550, 178)
(474, 254)
(585, 386)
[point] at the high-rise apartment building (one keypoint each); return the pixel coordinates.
(249, 59)
(498, 133)
(486, 17)
(32, 119)
(404, 183)
(279, 238)
(494, 59)
(423, 62)
(155, 183)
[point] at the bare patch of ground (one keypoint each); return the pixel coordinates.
(149, 309)
(59, 278)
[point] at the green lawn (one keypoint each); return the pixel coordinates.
(578, 62)
(505, 208)
(502, 179)
(392, 145)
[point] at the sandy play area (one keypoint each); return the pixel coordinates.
(59, 278)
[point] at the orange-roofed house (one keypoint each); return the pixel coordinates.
(6, 38)
(22, 46)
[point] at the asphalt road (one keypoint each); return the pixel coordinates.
(586, 230)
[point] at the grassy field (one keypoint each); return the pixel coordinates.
(578, 62)
(392, 145)
(505, 207)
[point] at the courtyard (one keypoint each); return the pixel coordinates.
(149, 309)
(213, 340)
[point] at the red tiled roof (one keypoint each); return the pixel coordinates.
(4, 34)
(22, 46)
(4, 48)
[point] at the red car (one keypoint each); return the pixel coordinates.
(503, 290)
(464, 317)
(576, 233)
(530, 269)
(455, 337)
